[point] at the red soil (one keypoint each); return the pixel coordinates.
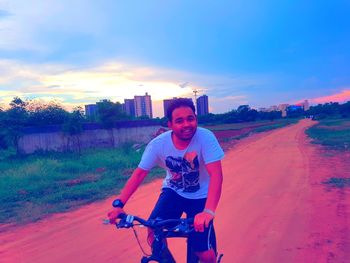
(231, 133)
(223, 134)
(274, 208)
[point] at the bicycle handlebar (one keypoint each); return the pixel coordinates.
(183, 225)
(163, 228)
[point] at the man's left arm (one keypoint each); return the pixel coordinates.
(203, 219)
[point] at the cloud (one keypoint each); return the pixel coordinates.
(119, 80)
(93, 79)
(225, 104)
(74, 86)
(231, 98)
(341, 97)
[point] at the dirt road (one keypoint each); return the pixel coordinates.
(274, 208)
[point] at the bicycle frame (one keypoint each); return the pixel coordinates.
(160, 248)
(162, 231)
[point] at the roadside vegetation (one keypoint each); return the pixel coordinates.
(242, 125)
(338, 182)
(33, 186)
(333, 133)
(237, 131)
(276, 124)
(36, 185)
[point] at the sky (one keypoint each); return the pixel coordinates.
(259, 53)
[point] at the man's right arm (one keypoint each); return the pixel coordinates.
(130, 187)
(132, 184)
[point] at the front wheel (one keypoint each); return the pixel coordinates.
(160, 253)
(191, 256)
(219, 258)
(167, 257)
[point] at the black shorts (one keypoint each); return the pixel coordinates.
(171, 205)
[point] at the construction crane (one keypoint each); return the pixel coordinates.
(195, 91)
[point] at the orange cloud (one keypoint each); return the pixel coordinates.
(343, 96)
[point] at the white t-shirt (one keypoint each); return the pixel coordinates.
(185, 169)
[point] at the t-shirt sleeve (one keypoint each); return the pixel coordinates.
(211, 149)
(149, 157)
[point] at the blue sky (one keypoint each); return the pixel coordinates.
(259, 53)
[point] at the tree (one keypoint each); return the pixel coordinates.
(110, 112)
(74, 122)
(18, 103)
(328, 109)
(244, 108)
(344, 110)
(41, 114)
(295, 112)
(3, 136)
(15, 120)
(73, 127)
(271, 115)
(230, 117)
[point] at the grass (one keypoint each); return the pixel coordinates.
(36, 185)
(276, 125)
(5, 154)
(39, 184)
(237, 126)
(257, 125)
(332, 133)
(335, 135)
(338, 182)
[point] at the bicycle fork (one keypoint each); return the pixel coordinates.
(160, 252)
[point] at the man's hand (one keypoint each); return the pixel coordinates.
(201, 221)
(113, 215)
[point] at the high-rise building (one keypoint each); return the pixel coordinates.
(283, 108)
(166, 104)
(306, 105)
(202, 105)
(91, 110)
(129, 107)
(143, 106)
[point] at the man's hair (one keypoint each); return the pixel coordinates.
(178, 103)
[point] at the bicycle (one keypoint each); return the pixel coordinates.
(163, 229)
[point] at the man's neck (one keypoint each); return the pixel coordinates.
(178, 143)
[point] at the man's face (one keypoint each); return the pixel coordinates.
(184, 123)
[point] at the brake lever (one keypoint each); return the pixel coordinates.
(126, 222)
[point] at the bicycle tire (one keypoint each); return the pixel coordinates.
(191, 256)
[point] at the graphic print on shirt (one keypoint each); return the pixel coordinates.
(184, 172)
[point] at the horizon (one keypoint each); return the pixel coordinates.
(257, 53)
(160, 107)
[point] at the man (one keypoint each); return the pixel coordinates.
(191, 157)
